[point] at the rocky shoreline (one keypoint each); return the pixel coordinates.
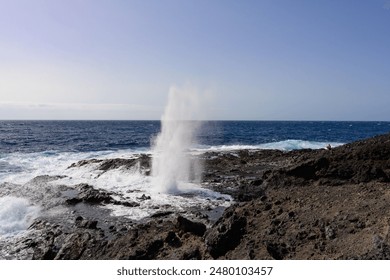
(304, 204)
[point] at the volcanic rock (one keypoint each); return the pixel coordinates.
(186, 225)
(306, 204)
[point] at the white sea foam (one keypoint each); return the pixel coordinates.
(129, 185)
(287, 145)
(192, 195)
(26, 166)
(16, 214)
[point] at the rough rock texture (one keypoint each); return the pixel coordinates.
(141, 162)
(226, 234)
(189, 226)
(359, 162)
(306, 204)
(87, 194)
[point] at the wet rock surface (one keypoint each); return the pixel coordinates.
(306, 204)
(141, 162)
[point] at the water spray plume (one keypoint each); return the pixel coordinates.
(172, 166)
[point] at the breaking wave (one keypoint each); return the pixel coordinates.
(287, 145)
(16, 214)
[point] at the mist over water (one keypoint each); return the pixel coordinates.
(172, 165)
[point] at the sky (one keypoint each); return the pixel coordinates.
(262, 60)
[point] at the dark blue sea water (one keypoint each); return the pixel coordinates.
(86, 136)
(33, 148)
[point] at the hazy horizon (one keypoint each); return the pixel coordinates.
(157, 120)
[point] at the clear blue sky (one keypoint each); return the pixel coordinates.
(263, 60)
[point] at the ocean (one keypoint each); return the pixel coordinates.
(24, 137)
(32, 148)
(29, 149)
